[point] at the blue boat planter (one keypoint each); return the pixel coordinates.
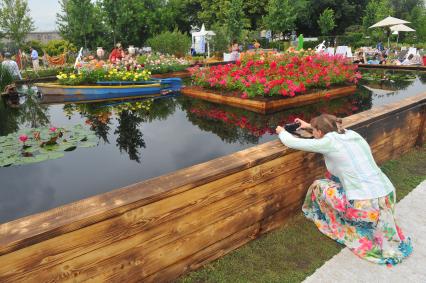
(111, 90)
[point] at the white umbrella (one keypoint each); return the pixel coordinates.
(401, 27)
(388, 22)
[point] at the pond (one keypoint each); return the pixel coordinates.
(143, 138)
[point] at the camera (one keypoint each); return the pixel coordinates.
(291, 127)
(302, 133)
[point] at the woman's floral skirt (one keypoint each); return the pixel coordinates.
(367, 227)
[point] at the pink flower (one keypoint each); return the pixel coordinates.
(52, 129)
(244, 95)
(366, 244)
(23, 138)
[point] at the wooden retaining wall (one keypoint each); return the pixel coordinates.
(265, 106)
(158, 229)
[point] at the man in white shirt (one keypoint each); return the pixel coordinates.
(34, 59)
(11, 66)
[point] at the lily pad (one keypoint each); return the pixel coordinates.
(43, 144)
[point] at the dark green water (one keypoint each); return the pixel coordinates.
(137, 144)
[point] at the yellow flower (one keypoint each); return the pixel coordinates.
(330, 192)
(373, 215)
(73, 76)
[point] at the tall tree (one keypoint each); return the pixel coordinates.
(281, 16)
(403, 8)
(418, 21)
(81, 23)
(133, 21)
(326, 21)
(346, 13)
(15, 20)
(375, 11)
(236, 20)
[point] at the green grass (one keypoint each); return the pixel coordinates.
(293, 252)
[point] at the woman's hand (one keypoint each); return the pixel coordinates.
(279, 129)
(303, 124)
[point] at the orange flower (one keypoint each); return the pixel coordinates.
(373, 215)
(330, 192)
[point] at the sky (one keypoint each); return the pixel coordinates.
(43, 13)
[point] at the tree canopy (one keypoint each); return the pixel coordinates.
(91, 23)
(15, 20)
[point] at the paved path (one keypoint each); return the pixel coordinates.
(346, 267)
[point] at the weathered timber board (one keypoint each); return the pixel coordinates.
(267, 106)
(155, 232)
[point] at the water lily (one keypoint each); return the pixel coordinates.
(52, 129)
(23, 138)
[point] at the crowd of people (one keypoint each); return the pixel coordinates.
(387, 56)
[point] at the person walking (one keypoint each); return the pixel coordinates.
(354, 205)
(34, 59)
(12, 66)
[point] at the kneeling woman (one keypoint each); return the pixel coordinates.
(355, 205)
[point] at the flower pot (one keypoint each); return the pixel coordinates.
(100, 52)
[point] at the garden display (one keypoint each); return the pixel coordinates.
(277, 75)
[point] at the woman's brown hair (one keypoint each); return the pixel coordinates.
(327, 123)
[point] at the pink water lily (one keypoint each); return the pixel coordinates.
(52, 129)
(23, 138)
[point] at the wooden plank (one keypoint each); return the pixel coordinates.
(204, 256)
(140, 221)
(265, 106)
(154, 260)
(42, 226)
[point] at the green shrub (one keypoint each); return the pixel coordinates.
(37, 45)
(172, 43)
(310, 44)
(58, 47)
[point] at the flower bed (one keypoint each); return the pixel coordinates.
(161, 64)
(275, 74)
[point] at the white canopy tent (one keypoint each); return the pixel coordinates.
(200, 38)
(398, 28)
(389, 22)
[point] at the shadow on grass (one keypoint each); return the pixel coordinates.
(295, 251)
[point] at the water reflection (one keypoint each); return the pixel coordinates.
(26, 111)
(129, 136)
(239, 125)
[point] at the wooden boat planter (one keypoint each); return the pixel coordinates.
(110, 90)
(267, 105)
(393, 67)
(159, 229)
